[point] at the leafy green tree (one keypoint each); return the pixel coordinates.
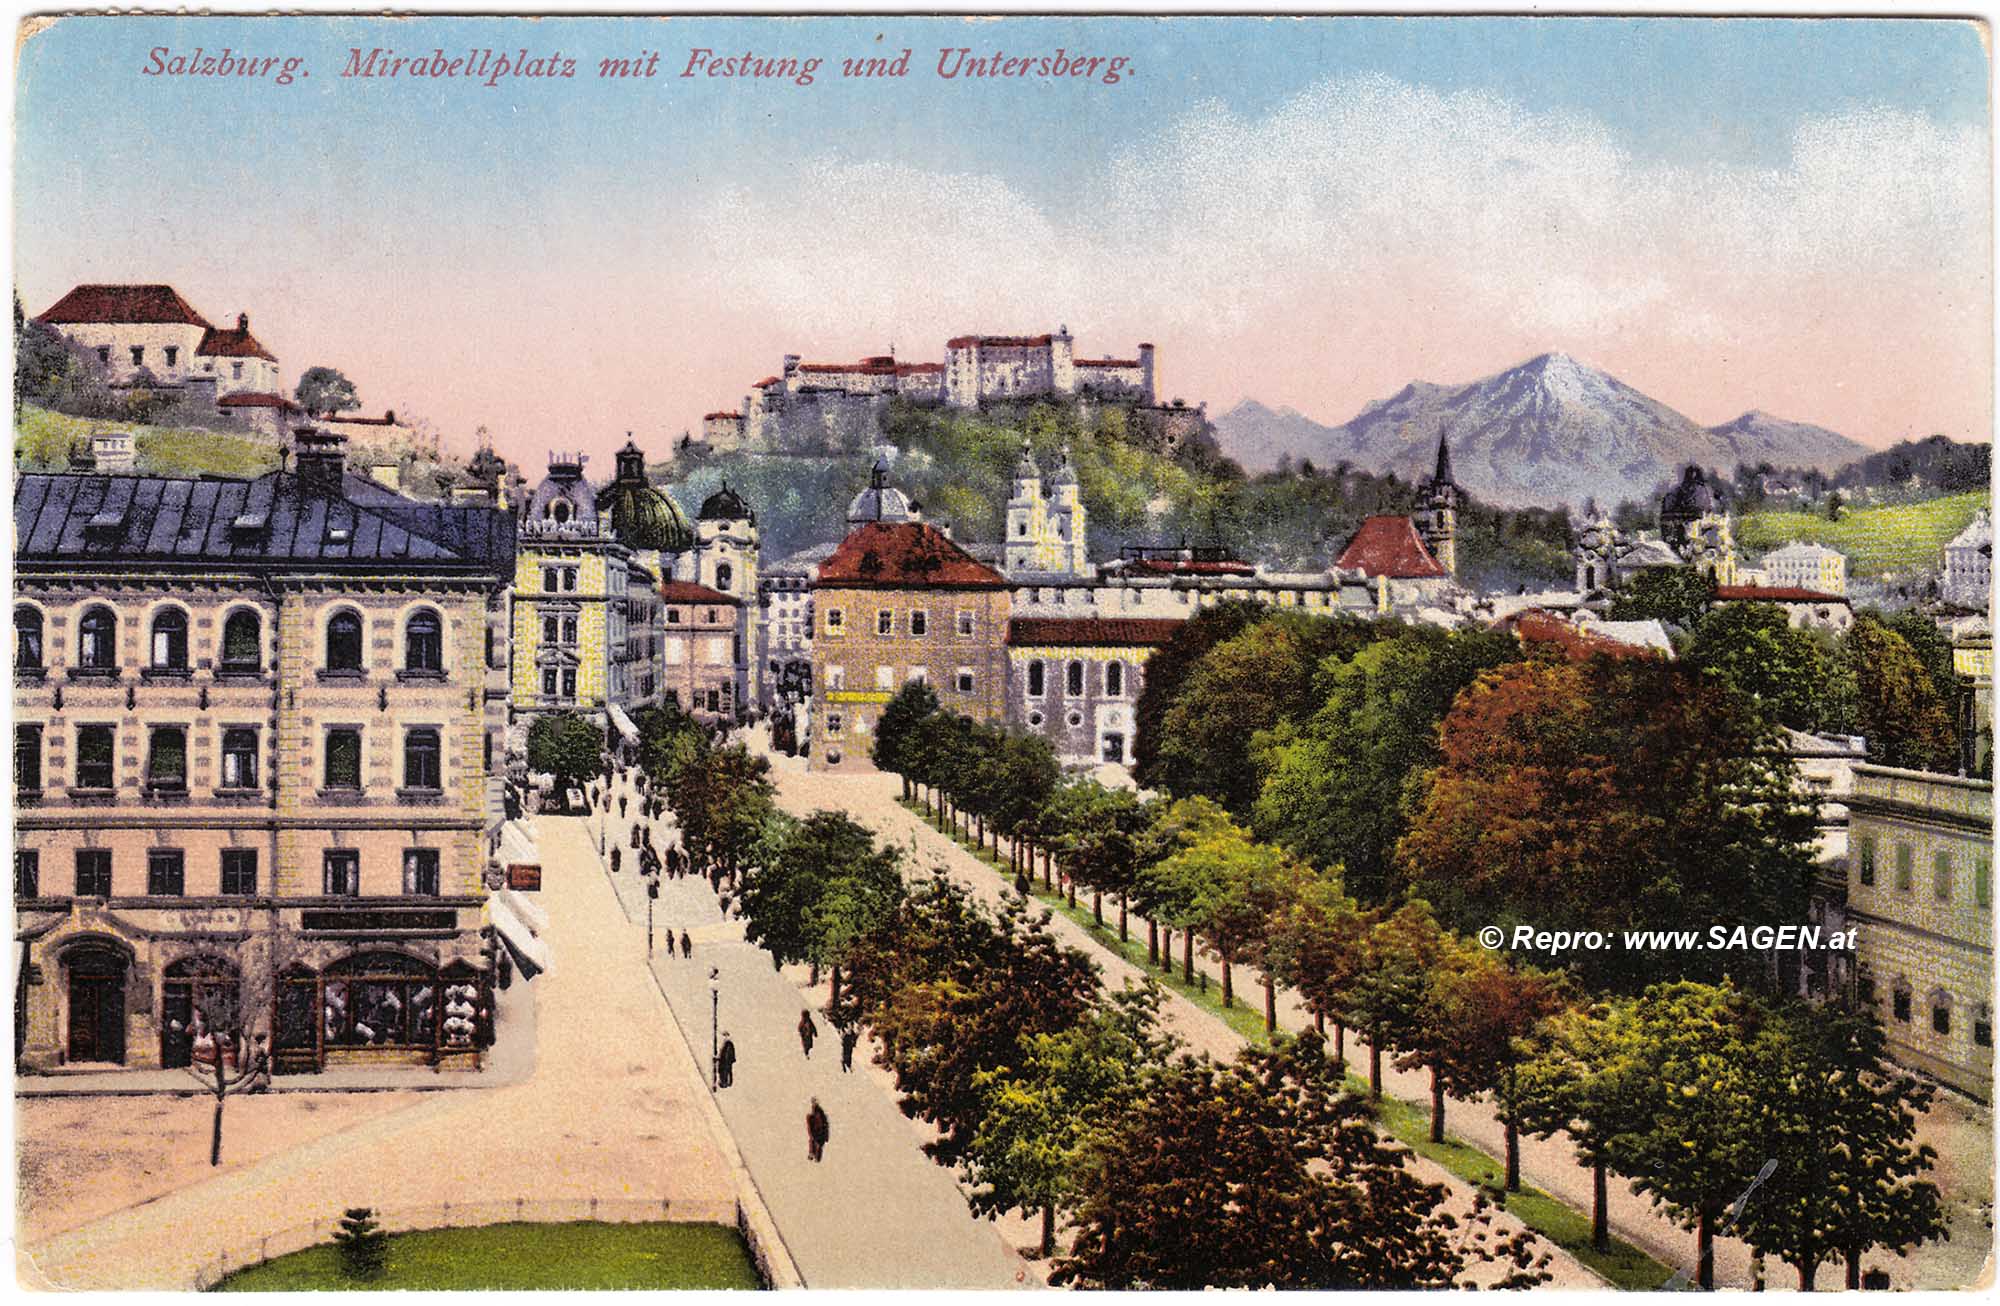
(1245, 886)
(1898, 708)
(1041, 1116)
(1262, 1174)
(360, 1245)
(1097, 839)
(1577, 1079)
(897, 728)
(568, 747)
(722, 807)
(1612, 795)
(1338, 789)
(323, 391)
(1317, 946)
(46, 367)
(1166, 671)
(1386, 999)
(672, 744)
(1170, 886)
(820, 886)
(1674, 596)
(1754, 649)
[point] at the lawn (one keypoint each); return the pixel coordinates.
(43, 440)
(517, 1257)
(1896, 538)
(1625, 1266)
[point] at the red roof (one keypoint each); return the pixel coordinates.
(997, 342)
(1131, 632)
(917, 369)
(1184, 567)
(1107, 362)
(1390, 546)
(256, 399)
(686, 591)
(709, 417)
(1775, 594)
(897, 555)
(1537, 627)
(123, 304)
(767, 381)
(234, 344)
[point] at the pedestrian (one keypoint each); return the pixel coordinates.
(816, 1131)
(725, 1062)
(635, 837)
(687, 945)
(849, 1036)
(723, 902)
(807, 1032)
(617, 854)
(621, 807)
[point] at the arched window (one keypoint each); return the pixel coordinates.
(170, 640)
(423, 642)
(1941, 1013)
(724, 575)
(569, 630)
(242, 641)
(343, 641)
(1073, 680)
(97, 640)
(1037, 678)
(1114, 679)
(561, 511)
(27, 638)
(380, 999)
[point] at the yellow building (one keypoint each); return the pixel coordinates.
(1920, 893)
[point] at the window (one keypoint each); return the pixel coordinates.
(1114, 748)
(835, 620)
(836, 677)
(170, 640)
(1941, 1014)
(139, 356)
(1901, 1005)
(834, 723)
(1941, 872)
(236, 371)
(1906, 868)
(173, 353)
(97, 640)
(965, 623)
(104, 354)
(1982, 881)
(95, 765)
(486, 741)
(27, 639)
(420, 872)
(93, 872)
(548, 682)
(423, 642)
(242, 641)
(1864, 991)
(27, 873)
(673, 616)
(1037, 678)
(343, 641)
(569, 682)
(1073, 680)
(422, 763)
(1114, 679)
(343, 759)
(569, 630)
(28, 758)
(885, 622)
(166, 873)
(340, 874)
(551, 579)
(885, 677)
(239, 758)
(166, 758)
(1867, 860)
(920, 622)
(551, 630)
(239, 872)
(1982, 1025)
(724, 574)
(569, 578)
(965, 680)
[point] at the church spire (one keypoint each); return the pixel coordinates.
(1443, 476)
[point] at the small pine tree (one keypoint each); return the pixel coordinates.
(363, 1246)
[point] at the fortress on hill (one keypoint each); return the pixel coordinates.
(830, 407)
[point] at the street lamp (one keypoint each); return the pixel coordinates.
(652, 892)
(714, 1025)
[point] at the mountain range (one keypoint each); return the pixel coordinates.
(1550, 431)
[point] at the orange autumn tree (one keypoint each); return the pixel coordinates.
(1611, 795)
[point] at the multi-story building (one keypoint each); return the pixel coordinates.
(702, 651)
(1076, 680)
(148, 334)
(725, 560)
(785, 601)
(1920, 893)
(897, 601)
(256, 725)
(1804, 566)
(1046, 536)
(1967, 579)
(1695, 531)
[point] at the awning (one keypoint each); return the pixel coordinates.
(517, 844)
(623, 724)
(531, 954)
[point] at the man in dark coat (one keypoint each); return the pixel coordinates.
(849, 1036)
(816, 1131)
(725, 1062)
(687, 945)
(616, 857)
(807, 1032)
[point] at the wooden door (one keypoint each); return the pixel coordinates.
(97, 1018)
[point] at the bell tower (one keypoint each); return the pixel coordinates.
(1436, 518)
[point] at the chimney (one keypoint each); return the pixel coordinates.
(322, 460)
(242, 321)
(391, 416)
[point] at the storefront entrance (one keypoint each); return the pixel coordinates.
(199, 1002)
(96, 1005)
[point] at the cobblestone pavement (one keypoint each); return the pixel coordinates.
(612, 1111)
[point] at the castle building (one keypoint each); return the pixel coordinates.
(1046, 537)
(256, 731)
(897, 601)
(980, 369)
(1920, 894)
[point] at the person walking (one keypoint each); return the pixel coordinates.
(616, 857)
(687, 945)
(807, 1032)
(816, 1131)
(725, 1062)
(621, 806)
(849, 1036)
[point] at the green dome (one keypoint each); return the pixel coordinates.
(641, 516)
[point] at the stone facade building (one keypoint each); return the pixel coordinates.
(898, 601)
(1967, 579)
(1920, 892)
(702, 651)
(1076, 681)
(725, 560)
(785, 625)
(257, 725)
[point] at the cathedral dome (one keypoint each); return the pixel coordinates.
(726, 505)
(881, 501)
(643, 517)
(1691, 498)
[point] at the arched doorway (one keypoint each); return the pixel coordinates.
(96, 1003)
(200, 1002)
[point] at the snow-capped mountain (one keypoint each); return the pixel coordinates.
(1549, 431)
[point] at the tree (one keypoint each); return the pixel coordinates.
(1754, 649)
(323, 391)
(1609, 795)
(360, 1245)
(1096, 833)
(723, 806)
(1169, 886)
(1577, 1080)
(893, 733)
(1339, 788)
(1039, 1117)
(820, 886)
(1898, 708)
(1388, 994)
(1261, 1173)
(568, 747)
(1316, 947)
(1168, 668)
(1245, 885)
(1844, 1123)
(1674, 596)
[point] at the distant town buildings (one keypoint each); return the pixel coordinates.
(1967, 580)
(1695, 531)
(256, 738)
(1803, 566)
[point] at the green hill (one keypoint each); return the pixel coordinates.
(1899, 538)
(42, 441)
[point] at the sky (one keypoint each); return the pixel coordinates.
(1787, 215)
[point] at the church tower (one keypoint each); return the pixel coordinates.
(1027, 515)
(1067, 548)
(1436, 518)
